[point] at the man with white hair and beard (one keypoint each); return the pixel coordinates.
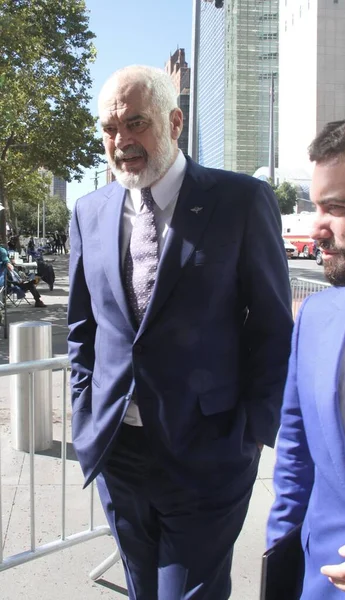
(180, 326)
(310, 471)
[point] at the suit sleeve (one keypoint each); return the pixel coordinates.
(264, 281)
(294, 469)
(81, 322)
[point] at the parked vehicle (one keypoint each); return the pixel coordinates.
(318, 257)
(296, 229)
(290, 249)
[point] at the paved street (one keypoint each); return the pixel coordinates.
(302, 267)
(65, 575)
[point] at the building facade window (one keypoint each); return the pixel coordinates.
(269, 17)
(238, 54)
(268, 36)
(211, 86)
(268, 56)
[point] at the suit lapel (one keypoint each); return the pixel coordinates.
(331, 353)
(110, 224)
(192, 213)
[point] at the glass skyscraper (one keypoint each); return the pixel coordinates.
(238, 55)
(211, 86)
(58, 187)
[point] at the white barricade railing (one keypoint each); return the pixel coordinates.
(32, 367)
(301, 288)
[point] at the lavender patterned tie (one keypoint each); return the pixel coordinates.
(142, 257)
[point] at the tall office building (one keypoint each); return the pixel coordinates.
(237, 57)
(177, 68)
(58, 187)
(312, 82)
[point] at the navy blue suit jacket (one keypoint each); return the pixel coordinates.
(310, 471)
(210, 357)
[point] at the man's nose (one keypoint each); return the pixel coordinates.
(122, 139)
(320, 229)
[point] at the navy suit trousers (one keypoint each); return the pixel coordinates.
(176, 543)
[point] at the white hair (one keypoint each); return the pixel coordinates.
(156, 81)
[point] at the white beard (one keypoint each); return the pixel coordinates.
(156, 166)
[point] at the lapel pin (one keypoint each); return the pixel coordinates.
(196, 209)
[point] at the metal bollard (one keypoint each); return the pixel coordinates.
(31, 340)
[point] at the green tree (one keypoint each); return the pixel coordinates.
(45, 51)
(57, 214)
(286, 195)
(24, 195)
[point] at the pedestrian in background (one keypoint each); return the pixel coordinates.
(63, 239)
(58, 245)
(180, 324)
(309, 475)
(31, 247)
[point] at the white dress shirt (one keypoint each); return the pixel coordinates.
(165, 193)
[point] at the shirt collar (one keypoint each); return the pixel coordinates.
(167, 188)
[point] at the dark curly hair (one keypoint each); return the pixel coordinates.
(329, 143)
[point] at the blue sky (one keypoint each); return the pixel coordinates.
(131, 32)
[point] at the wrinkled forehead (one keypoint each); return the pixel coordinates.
(125, 94)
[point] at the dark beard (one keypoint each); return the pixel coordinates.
(334, 267)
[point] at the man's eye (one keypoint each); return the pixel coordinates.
(137, 125)
(110, 130)
(337, 210)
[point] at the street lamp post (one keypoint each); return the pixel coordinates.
(271, 150)
(96, 177)
(44, 221)
(44, 173)
(193, 98)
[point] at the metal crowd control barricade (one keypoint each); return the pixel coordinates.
(301, 288)
(32, 369)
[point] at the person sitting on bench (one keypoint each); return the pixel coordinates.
(13, 276)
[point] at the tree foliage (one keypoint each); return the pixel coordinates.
(287, 197)
(57, 215)
(45, 51)
(27, 196)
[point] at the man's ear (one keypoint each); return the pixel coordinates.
(176, 123)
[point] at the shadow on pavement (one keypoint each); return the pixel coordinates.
(55, 451)
(112, 586)
(57, 291)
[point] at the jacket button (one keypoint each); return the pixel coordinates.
(138, 349)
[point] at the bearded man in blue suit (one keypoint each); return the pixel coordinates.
(310, 471)
(180, 326)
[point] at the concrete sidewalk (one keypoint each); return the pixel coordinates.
(64, 575)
